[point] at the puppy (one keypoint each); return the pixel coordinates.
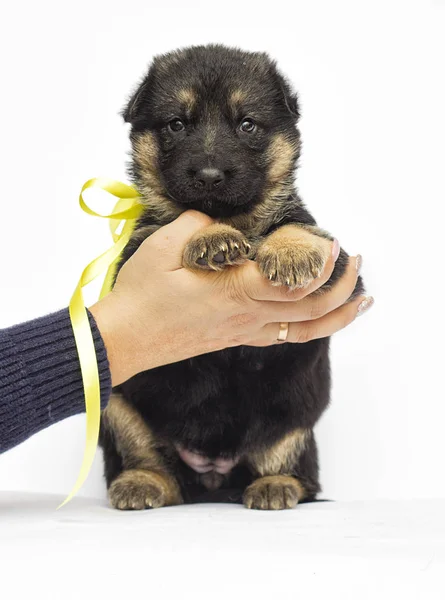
(214, 129)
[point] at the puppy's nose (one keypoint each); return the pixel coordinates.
(209, 177)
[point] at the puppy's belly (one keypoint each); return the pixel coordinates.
(202, 464)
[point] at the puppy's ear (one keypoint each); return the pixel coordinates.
(292, 103)
(290, 99)
(132, 110)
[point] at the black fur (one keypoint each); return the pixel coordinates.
(240, 399)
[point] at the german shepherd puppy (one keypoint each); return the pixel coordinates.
(214, 129)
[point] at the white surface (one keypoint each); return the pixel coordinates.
(350, 551)
(370, 76)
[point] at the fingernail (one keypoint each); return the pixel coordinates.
(335, 249)
(358, 262)
(365, 305)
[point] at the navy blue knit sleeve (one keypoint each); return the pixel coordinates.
(40, 379)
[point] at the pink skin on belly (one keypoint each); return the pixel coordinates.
(202, 464)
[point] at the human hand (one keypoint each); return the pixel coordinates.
(160, 312)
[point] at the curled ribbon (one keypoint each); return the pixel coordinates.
(126, 210)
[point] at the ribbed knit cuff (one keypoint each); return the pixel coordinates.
(40, 378)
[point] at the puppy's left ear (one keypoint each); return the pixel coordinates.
(292, 103)
(290, 97)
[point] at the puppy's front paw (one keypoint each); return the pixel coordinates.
(293, 263)
(273, 492)
(137, 489)
(216, 247)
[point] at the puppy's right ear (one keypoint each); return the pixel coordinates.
(132, 111)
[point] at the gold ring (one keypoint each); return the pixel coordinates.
(282, 334)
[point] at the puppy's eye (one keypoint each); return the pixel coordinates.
(176, 125)
(248, 125)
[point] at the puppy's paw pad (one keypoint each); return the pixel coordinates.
(137, 490)
(294, 265)
(275, 492)
(215, 248)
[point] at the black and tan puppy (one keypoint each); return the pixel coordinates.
(214, 129)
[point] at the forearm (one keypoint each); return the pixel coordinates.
(40, 378)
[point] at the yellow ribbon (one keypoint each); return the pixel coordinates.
(126, 210)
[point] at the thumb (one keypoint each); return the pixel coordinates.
(168, 243)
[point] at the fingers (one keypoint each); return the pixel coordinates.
(168, 243)
(325, 326)
(259, 288)
(315, 306)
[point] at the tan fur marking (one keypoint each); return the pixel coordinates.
(307, 235)
(145, 156)
(146, 151)
(237, 97)
(187, 98)
(274, 492)
(134, 440)
(280, 157)
(293, 255)
(280, 458)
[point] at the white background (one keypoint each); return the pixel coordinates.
(371, 82)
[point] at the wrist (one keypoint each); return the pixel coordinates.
(116, 336)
